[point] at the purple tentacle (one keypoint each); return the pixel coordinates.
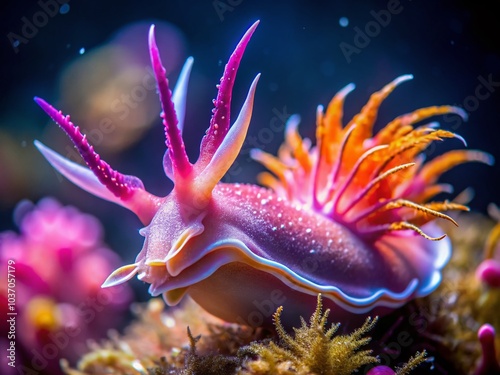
(175, 144)
(220, 121)
(120, 185)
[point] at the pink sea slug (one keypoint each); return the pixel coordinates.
(349, 217)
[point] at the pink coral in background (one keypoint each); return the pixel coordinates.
(488, 364)
(488, 271)
(60, 263)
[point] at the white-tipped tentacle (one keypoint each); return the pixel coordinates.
(230, 147)
(180, 92)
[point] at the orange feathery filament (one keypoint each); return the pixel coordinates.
(373, 184)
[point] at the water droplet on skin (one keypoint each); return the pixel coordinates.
(263, 201)
(274, 229)
(312, 251)
(282, 226)
(279, 216)
(308, 230)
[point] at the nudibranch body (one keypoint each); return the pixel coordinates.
(347, 218)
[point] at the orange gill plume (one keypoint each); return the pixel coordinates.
(371, 183)
(349, 218)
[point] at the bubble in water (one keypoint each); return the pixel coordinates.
(343, 21)
(64, 8)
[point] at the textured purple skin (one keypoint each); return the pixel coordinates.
(278, 232)
(242, 250)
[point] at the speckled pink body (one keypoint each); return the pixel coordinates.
(256, 246)
(347, 218)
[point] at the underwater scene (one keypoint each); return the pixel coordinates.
(249, 187)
